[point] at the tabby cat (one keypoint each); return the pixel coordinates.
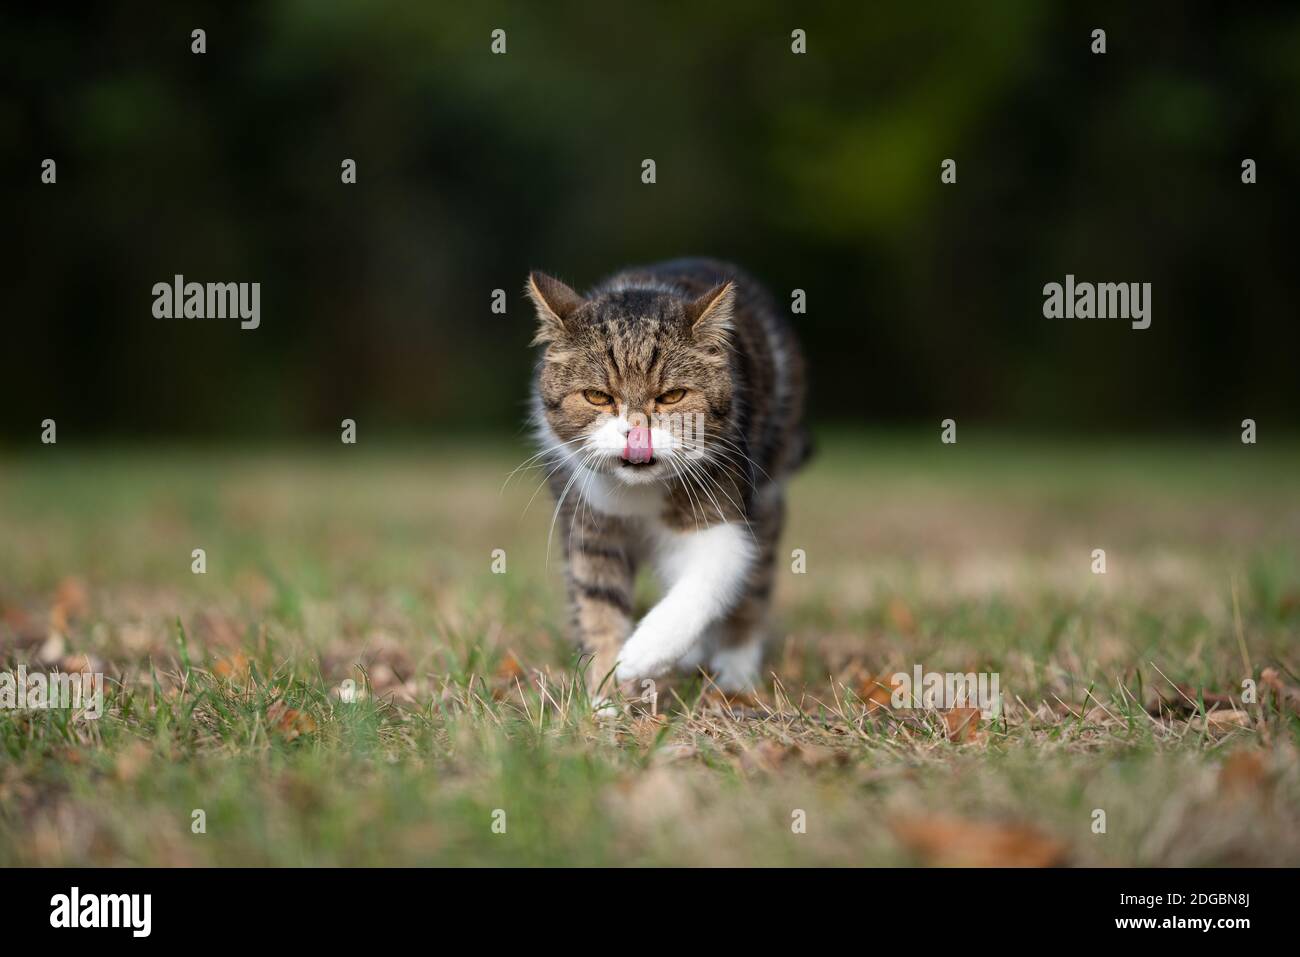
(668, 403)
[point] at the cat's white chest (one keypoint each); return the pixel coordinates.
(612, 497)
(670, 550)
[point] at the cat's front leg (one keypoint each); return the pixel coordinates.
(707, 571)
(601, 573)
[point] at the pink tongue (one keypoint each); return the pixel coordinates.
(638, 449)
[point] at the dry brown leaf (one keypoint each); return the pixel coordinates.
(817, 755)
(78, 664)
(766, 755)
(1183, 699)
(877, 692)
(715, 695)
(1222, 721)
(852, 674)
(645, 726)
(1287, 696)
(653, 796)
(218, 631)
(509, 669)
(955, 842)
(901, 616)
(509, 673)
(233, 666)
(16, 618)
(1244, 774)
(670, 753)
(736, 704)
(962, 724)
(256, 589)
(131, 761)
(769, 755)
(71, 600)
(289, 722)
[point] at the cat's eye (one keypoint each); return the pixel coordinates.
(671, 396)
(596, 397)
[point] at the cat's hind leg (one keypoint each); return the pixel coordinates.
(736, 659)
(698, 656)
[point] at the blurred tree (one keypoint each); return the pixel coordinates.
(818, 170)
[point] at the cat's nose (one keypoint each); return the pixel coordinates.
(638, 448)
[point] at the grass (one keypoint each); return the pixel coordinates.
(374, 565)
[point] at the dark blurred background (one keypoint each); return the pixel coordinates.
(818, 171)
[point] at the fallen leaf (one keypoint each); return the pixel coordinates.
(16, 618)
(645, 727)
(1286, 696)
(877, 693)
(71, 600)
(670, 753)
(218, 631)
(233, 666)
(289, 721)
(769, 755)
(131, 761)
(78, 664)
(509, 669)
(962, 724)
(135, 639)
(653, 796)
(256, 589)
(817, 755)
(509, 673)
(955, 842)
(766, 755)
(733, 704)
(1183, 699)
(1243, 774)
(1222, 721)
(901, 616)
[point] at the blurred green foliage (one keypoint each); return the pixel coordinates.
(818, 171)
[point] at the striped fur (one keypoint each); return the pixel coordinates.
(637, 339)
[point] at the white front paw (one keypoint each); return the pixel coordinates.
(647, 654)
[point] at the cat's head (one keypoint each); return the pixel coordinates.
(634, 383)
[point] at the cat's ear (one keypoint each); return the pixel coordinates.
(555, 303)
(710, 316)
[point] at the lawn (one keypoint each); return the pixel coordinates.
(349, 682)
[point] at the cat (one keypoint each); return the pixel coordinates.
(668, 403)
